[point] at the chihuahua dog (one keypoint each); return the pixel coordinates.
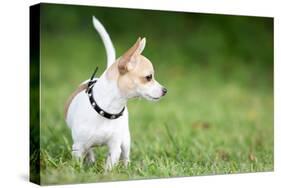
(96, 112)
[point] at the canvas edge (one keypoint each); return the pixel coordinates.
(34, 96)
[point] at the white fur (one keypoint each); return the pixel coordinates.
(152, 92)
(90, 129)
(110, 51)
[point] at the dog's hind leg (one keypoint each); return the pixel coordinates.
(78, 151)
(90, 156)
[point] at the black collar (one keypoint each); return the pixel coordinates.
(94, 104)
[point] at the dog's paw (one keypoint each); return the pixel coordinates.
(126, 163)
(108, 168)
(89, 161)
(90, 158)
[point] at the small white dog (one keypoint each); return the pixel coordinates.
(96, 112)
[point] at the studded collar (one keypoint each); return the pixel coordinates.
(94, 104)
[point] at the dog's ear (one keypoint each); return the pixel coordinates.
(141, 47)
(124, 62)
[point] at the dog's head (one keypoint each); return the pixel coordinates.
(135, 74)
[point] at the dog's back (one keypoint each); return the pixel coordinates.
(110, 52)
(80, 88)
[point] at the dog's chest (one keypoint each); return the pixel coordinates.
(106, 130)
(88, 126)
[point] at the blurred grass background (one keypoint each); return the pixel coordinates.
(216, 118)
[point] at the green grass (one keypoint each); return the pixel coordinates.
(217, 117)
(204, 125)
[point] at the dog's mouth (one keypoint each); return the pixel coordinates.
(152, 98)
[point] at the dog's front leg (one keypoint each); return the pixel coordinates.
(125, 150)
(113, 155)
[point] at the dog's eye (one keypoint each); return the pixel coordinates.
(149, 77)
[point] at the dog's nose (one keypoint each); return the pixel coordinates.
(164, 90)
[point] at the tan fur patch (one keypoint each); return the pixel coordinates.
(71, 97)
(126, 57)
(136, 77)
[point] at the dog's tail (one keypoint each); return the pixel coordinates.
(110, 51)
